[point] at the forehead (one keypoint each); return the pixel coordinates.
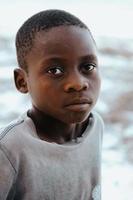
(63, 41)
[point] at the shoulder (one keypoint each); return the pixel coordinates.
(98, 125)
(13, 137)
(98, 121)
(7, 141)
(16, 129)
(9, 129)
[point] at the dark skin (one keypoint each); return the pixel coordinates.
(63, 82)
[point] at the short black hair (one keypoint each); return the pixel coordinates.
(43, 20)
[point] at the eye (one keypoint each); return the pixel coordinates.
(88, 67)
(56, 71)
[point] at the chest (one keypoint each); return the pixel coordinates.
(54, 175)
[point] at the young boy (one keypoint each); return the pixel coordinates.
(53, 151)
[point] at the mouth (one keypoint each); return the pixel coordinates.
(79, 105)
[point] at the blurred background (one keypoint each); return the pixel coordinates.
(111, 24)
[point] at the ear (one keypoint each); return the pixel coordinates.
(20, 80)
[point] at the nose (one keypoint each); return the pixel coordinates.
(76, 82)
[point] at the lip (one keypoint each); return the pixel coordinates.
(79, 105)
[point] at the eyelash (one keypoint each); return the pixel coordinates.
(53, 70)
(90, 66)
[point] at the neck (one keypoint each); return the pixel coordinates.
(54, 130)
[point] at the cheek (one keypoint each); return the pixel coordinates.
(99, 83)
(96, 83)
(46, 94)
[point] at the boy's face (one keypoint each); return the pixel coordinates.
(63, 77)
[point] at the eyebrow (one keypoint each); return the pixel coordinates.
(90, 57)
(57, 58)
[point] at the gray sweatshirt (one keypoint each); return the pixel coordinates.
(33, 169)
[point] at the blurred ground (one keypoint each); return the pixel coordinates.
(116, 108)
(117, 92)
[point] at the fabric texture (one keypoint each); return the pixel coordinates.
(31, 168)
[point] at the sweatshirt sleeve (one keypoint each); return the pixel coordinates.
(7, 177)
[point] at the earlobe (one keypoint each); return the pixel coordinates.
(20, 80)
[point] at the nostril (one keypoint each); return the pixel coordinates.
(86, 85)
(71, 87)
